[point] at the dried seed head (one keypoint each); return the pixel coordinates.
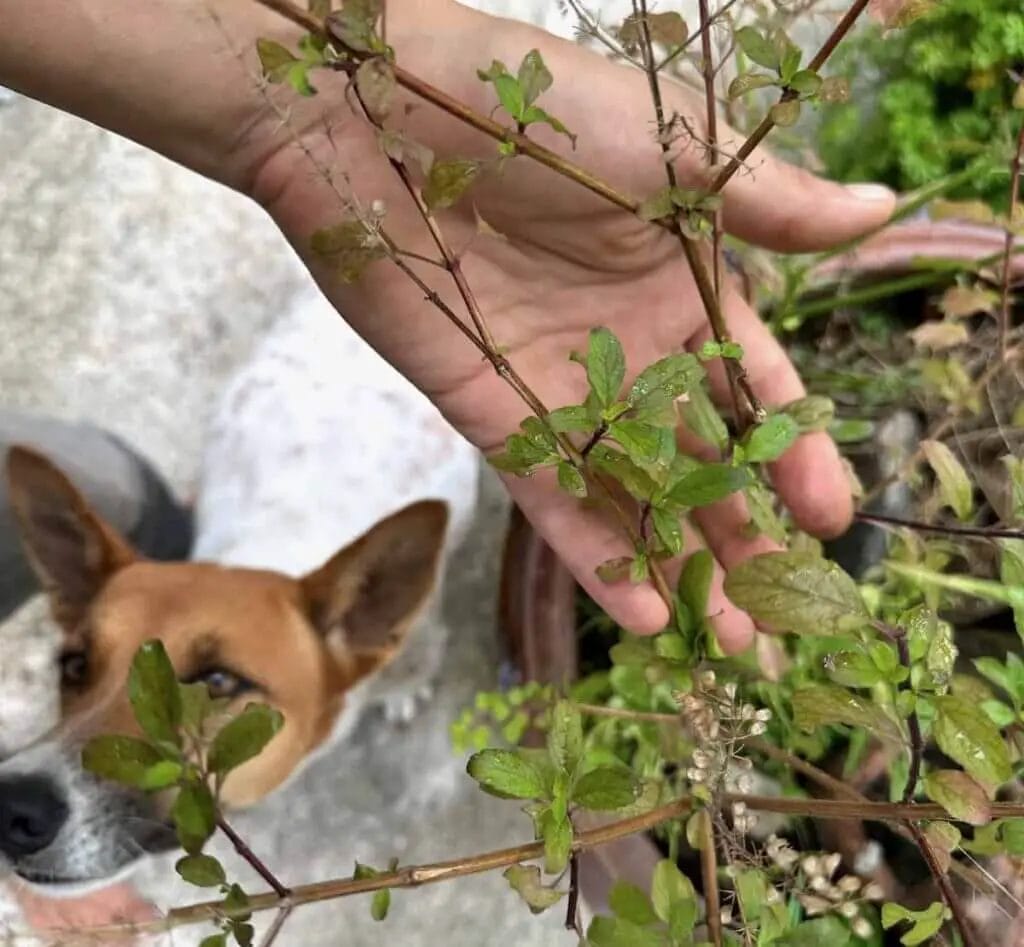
(764, 715)
(874, 892)
(811, 865)
(814, 905)
(830, 863)
(849, 884)
(707, 679)
(849, 910)
(862, 928)
(757, 728)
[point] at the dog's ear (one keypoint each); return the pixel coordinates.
(72, 551)
(365, 598)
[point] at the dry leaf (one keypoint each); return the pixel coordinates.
(939, 335)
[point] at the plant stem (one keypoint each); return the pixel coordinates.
(1004, 298)
(709, 876)
(978, 532)
(572, 910)
(710, 106)
(277, 926)
(249, 856)
(899, 636)
(767, 123)
(963, 924)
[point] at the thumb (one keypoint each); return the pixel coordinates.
(778, 206)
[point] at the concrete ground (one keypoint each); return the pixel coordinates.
(129, 288)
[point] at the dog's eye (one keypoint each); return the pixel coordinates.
(74, 668)
(222, 683)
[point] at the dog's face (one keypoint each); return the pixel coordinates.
(299, 645)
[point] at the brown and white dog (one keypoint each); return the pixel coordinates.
(332, 492)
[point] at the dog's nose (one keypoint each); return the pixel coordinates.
(31, 814)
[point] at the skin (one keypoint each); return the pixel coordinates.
(568, 262)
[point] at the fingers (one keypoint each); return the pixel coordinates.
(809, 477)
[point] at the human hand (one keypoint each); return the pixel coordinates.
(567, 261)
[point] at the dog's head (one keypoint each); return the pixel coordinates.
(300, 645)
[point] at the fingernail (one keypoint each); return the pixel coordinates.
(871, 192)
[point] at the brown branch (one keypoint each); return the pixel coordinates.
(710, 106)
(767, 123)
(709, 877)
(978, 532)
(277, 926)
(250, 857)
(1004, 297)
(572, 909)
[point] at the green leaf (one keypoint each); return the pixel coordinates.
(806, 82)
(631, 903)
(351, 246)
(708, 484)
(606, 788)
(961, 796)
(525, 881)
(667, 529)
(763, 518)
(813, 413)
(954, 484)
(1011, 833)
(243, 737)
(355, 24)
(203, 871)
(752, 889)
(275, 59)
(669, 887)
(757, 47)
(606, 366)
(195, 816)
(123, 759)
(771, 439)
(571, 480)
(510, 95)
(821, 932)
(850, 430)
(694, 585)
(852, 669)
(534, 77)
(565, 737)
(702, 418)
(380, 903)
(153, 692)
(655, 390)
(796, 592)
(925, 924)
(448, 181)
(656, 206)
(573, 418)
(557, 844)
(786, 113)
(641, 441)
(618, 932)
(523, 455)
(817, 705)
(214, 940)
(507, 774)
(749, 81)
(965, 734)
(616, 464)
(375, 82)
(161, 775)
(236, 901)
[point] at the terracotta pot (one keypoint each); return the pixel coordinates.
(538, 594)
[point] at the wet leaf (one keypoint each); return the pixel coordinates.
(123, 759)
(606, 788)
(749, 81)
(667, 529)
(961, 796)
(641, 441)
(606, 366)
(702, 418)
(565, 737)
(796, 592)
(614, 570)
(534, 77)
(835, 89)
(954, 485)
(965, 734)
(806, 82)
(557, 844)
(771, 439)
(819, 705)
(195, 816)
(507, 774)
(203, 871)
(657, 387)
(243, 737)
(571, 480)
(637, 482)
(526, 882)
(375, 81)
(631, 903)
(572, 418)
(448, 181)
(351, 246)
(786, 113)
(694, 585)
(707, 484)
(153, 692)
(523, 455)
(852, 669)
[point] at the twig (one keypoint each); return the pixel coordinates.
(704, 28)
(899, 637)
(978, 532)
(710, 106)
(572, 910)
(1004, 298)
(967, 934)
(709, 877)
(249, 856)
(768, 123)
(277, 926)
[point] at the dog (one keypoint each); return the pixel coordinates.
(331, 495)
